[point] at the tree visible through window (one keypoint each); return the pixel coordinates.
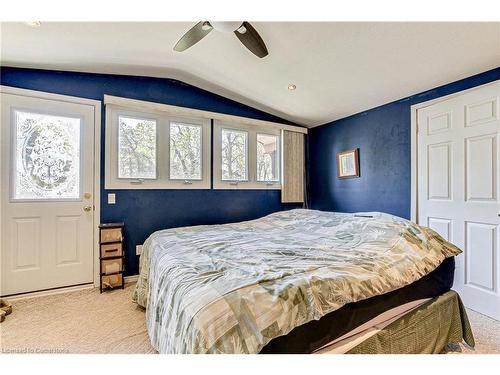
(136, 148)
(185, 151)
(234, 155)
(267, 158)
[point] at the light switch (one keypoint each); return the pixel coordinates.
(111, 198)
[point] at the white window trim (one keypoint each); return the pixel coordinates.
(205, 135)
(247, 145)
(252, 182)
(145, 106)
(114, 132)
(162, 181)
(278, 153)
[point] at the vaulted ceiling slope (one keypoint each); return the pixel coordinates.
(339, 68)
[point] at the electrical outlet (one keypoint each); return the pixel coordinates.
(138, 249)
(111, 198)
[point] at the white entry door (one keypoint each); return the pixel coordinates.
(47, 203)
(459, 189)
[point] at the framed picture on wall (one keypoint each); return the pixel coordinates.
(348, 163)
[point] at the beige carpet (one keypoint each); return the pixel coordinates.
(77, 322)
(486, 334)
(88, 322)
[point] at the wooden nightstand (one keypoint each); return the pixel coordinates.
(112, 256)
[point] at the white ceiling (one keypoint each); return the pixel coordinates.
(339, 68)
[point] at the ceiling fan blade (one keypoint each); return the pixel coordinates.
(193, 36)
(251, 39)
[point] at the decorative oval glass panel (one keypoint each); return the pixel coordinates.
(47, 156)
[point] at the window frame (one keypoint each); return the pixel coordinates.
(149, 118)
(196, 183)
(184, 123)
(278, 156)
(247, 143)
(162, 181)
(251, 183)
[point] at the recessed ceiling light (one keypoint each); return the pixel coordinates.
(291, 87)
(34, 23)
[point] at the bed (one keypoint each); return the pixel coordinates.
(291, 282)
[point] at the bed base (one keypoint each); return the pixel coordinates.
(426, 330)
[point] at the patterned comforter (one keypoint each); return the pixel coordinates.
(232, 288)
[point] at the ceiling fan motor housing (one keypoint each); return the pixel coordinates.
(227, 26)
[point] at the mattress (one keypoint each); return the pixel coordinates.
(315, 334)
(233, 288)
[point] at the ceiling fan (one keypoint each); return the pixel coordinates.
(243, 31)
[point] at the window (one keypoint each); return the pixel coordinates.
(136, 148)
(47, 157)
(159, 146)
(267, 158)
(185, 151)
(246, 156)
(154, 150)
(234, 155)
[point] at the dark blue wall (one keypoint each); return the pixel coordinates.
(145, 211)
(383, 137)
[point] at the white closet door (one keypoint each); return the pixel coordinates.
(458, 188)
(47, 177)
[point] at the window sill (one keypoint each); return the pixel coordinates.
(157, 185)
(246, 186)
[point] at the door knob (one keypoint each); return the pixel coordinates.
(87, 208)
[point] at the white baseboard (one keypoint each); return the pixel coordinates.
(43, 293)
